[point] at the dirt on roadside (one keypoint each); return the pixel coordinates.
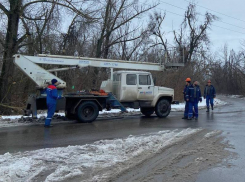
(178, 162)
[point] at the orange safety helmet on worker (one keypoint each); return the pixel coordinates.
(187, 79)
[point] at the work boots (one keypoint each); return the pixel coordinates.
(207, 109)
(212, 106)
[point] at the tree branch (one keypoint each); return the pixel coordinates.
(25, 45)
(37, 18)
(124, 35)
(134, 49)
(132, 17)
(47, 19)
(176, 39)
(128, 40)
(21, 39)
(69, 6)
(117, 15)
(4, 9)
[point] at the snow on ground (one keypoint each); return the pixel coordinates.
(64, 163)
(201, 105)
(174, 107)
(20, 116)
(18, 120)
(118, 111)
(212, 133)
(236, 96)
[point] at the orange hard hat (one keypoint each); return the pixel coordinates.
(209, 81)
(187, 79)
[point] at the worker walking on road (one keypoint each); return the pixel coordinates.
(209, 95)
(187, 84)
(52, 96)
(193, 96)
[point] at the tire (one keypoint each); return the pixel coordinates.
(162, 108)
(147, 111)
(87, 112)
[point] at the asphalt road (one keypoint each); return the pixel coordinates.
(230, 119)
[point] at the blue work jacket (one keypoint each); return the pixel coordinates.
(52, 94)
(184, 91)
(212, 92)
(192, 96)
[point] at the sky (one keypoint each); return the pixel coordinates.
(229, 29)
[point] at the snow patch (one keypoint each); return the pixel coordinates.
(236, 96)
(20, 116)
(63, 173)
(212, 133)
(18, 120)
(174, 107)
(65, 163)
(201, 105)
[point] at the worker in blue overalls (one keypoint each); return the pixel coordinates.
(209, 95)
(193, 96)
(187, 84)
(52, 96)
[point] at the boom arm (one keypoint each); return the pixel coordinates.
(28, 64)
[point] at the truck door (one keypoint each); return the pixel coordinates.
(129, 88)
(145, 87)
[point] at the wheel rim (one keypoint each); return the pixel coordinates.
(163, 107)
(88, 111)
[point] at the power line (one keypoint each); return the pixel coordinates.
(172, 5)
(201, 14)
(216, 11)
(229, 29)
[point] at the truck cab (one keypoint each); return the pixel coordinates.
(136, 89)
(132, 86)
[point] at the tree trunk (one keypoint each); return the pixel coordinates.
(107, 39)
(10, 49)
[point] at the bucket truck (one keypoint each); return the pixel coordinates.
(133, 89)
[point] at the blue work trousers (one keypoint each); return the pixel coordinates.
(190, 113)
(209, 100)
(51, 111)
(186, 109)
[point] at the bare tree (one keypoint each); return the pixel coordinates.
(14, 10)
(197, 33)
(155, 28)
(117, 14)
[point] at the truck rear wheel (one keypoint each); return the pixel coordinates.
(162, 108)
(87, 112)
(147, 111)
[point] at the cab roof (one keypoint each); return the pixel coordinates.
(133, 72)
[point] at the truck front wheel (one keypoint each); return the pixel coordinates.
(162, 108)
(147, 111)
(87, 112)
